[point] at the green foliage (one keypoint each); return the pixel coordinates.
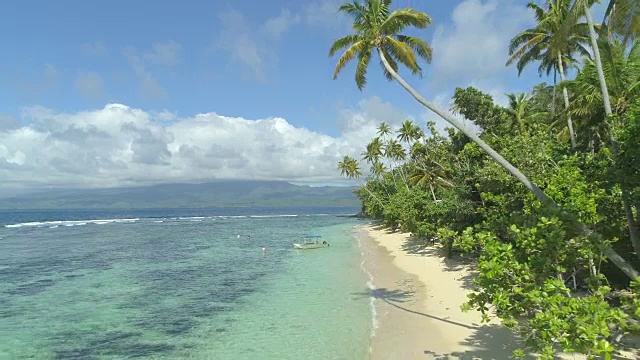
(539, 271)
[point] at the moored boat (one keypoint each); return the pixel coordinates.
(311, 242)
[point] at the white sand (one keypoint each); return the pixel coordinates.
(418, 296)
(419, 306)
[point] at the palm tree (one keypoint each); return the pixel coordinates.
(378, 28)
(349, 167)
(409, 132)
(583, 8)
(518, 109)
(431, 175)
(373, 151)
(623, 73)
(384, 130)
(553, 41)
(394, 152)
(623, 18)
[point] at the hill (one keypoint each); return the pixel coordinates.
(210, 194)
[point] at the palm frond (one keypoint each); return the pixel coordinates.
(349, 54)
(361, 69)
(418, 45)
(343, 42)
(403, 18)
(402, 52)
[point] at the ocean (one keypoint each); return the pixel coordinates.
(182, 284)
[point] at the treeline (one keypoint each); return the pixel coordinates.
(546, 199)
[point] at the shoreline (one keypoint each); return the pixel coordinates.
(417, 294)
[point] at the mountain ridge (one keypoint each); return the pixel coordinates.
(179, 195)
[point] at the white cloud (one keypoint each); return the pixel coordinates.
(474, 46)
(90, 84)
(118, 145)
(254, 47)
(165, 53)
(96, 48)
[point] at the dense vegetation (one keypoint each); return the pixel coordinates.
(545, 196)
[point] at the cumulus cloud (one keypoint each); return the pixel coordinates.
(119, 145)
(90, 84)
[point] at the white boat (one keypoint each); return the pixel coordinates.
(311, 242)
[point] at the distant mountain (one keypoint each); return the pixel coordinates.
(211, 194)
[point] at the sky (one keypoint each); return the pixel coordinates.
(121, 93)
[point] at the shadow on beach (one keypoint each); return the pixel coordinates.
(487, 341)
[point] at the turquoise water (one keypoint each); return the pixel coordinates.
(173, 287)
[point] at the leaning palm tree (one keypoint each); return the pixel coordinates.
(554, 39)
(378, 28)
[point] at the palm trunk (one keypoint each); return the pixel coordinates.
(432, 192)
(565, 94)
(364, 184)
(553, 103)
(621, 263)
(633, 228)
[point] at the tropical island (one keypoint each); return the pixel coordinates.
(543, 198)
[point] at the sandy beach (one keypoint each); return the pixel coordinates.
(418, 296)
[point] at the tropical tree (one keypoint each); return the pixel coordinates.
(378, 28)
(373, 151)
(520, 110)
(409, 132)
(349, 167)
(431, 174)
(394, 152)
(553, 41)
(622, 17)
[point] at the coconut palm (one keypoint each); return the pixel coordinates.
(622, 17)
(394, 152)
(384, 130)
(373, 151)
(349, 167)
(583, 7)
(378, 28)
(518, 110)
(409, 132)
(430, 174)
(552, 41)
(378, 169)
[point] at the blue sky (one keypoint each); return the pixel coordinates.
(240, 59)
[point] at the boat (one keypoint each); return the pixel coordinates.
(311, 242)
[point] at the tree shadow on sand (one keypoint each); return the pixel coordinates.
(420, 246)
(487, 341)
